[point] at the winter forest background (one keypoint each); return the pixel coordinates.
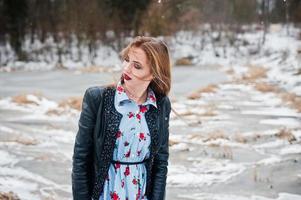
(61, 33)
(235, 128)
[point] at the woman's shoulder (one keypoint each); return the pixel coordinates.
(96, 92)
(94, 95)
(164, 101)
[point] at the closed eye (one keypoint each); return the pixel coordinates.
(137, 66)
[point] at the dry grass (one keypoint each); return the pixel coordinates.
(286, 134)
(292, 99)
(23, 100)
(172, 142)
(8, 196)
(287, 97)
(254, 73)
(187, 113)
(195, 136)
(72, 102)
(43, 157)
(26, 141)
(209, 113)
(93, 69)
(183, 61)
(210, 110)
(208, 89)
(255, 174)
(264, 87)
(216, 135)
(239, 138)
(56, 112)
(194, 95)
(23, 141)
(230, 71)
(259, 178)
(227, 152)
(214, 145)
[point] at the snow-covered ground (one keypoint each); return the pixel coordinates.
(235, 133)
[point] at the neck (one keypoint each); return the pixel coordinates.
(137, 93)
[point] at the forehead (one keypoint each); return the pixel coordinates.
(137, 54)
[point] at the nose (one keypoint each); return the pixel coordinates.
(127, 66)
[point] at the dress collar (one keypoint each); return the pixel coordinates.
(122, 96)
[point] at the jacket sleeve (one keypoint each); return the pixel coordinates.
(83, 149)
(159, 173)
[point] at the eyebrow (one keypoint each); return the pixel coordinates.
(135, 61)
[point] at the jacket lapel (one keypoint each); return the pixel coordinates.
(151, 117)
(112, 120)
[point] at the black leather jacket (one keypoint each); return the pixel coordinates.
(95, 140)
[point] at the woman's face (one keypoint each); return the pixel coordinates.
(136, 68)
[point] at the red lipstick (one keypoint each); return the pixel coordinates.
(126, 77)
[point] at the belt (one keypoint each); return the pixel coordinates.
(128, 163)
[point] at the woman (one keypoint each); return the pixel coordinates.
(121, 147)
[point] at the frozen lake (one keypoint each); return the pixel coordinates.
(63, 83)
(247, 146)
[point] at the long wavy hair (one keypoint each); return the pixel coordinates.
(158, 55)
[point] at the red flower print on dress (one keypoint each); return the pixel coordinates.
(126, 143)
(114, 196)
(143, 109)
(120, 89)
(127, 155)
(122, 183)
(139, 152)
(117, 166)
(135, 182)
(118, 134)
(142, 137)
(152, 98)
(127, 171)
(138, 117)
(138, 194)
(130, 114)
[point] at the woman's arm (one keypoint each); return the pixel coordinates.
(83, 149)
(159, 172)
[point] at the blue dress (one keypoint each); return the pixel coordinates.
(124, 181)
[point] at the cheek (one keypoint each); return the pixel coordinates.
(142, 73)
(124, 65)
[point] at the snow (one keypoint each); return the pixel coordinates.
(293, 149)
(288, 122)
(6, 158)
(26, 182)
(297, 134)
(271, 160)
(38, 109)
(272, 144)
(278, 55)
(285, 112)
(46, 56)
(203, 172)
(211, 196)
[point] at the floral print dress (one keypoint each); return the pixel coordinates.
(124, 181)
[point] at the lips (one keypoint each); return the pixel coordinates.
(126, 77)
